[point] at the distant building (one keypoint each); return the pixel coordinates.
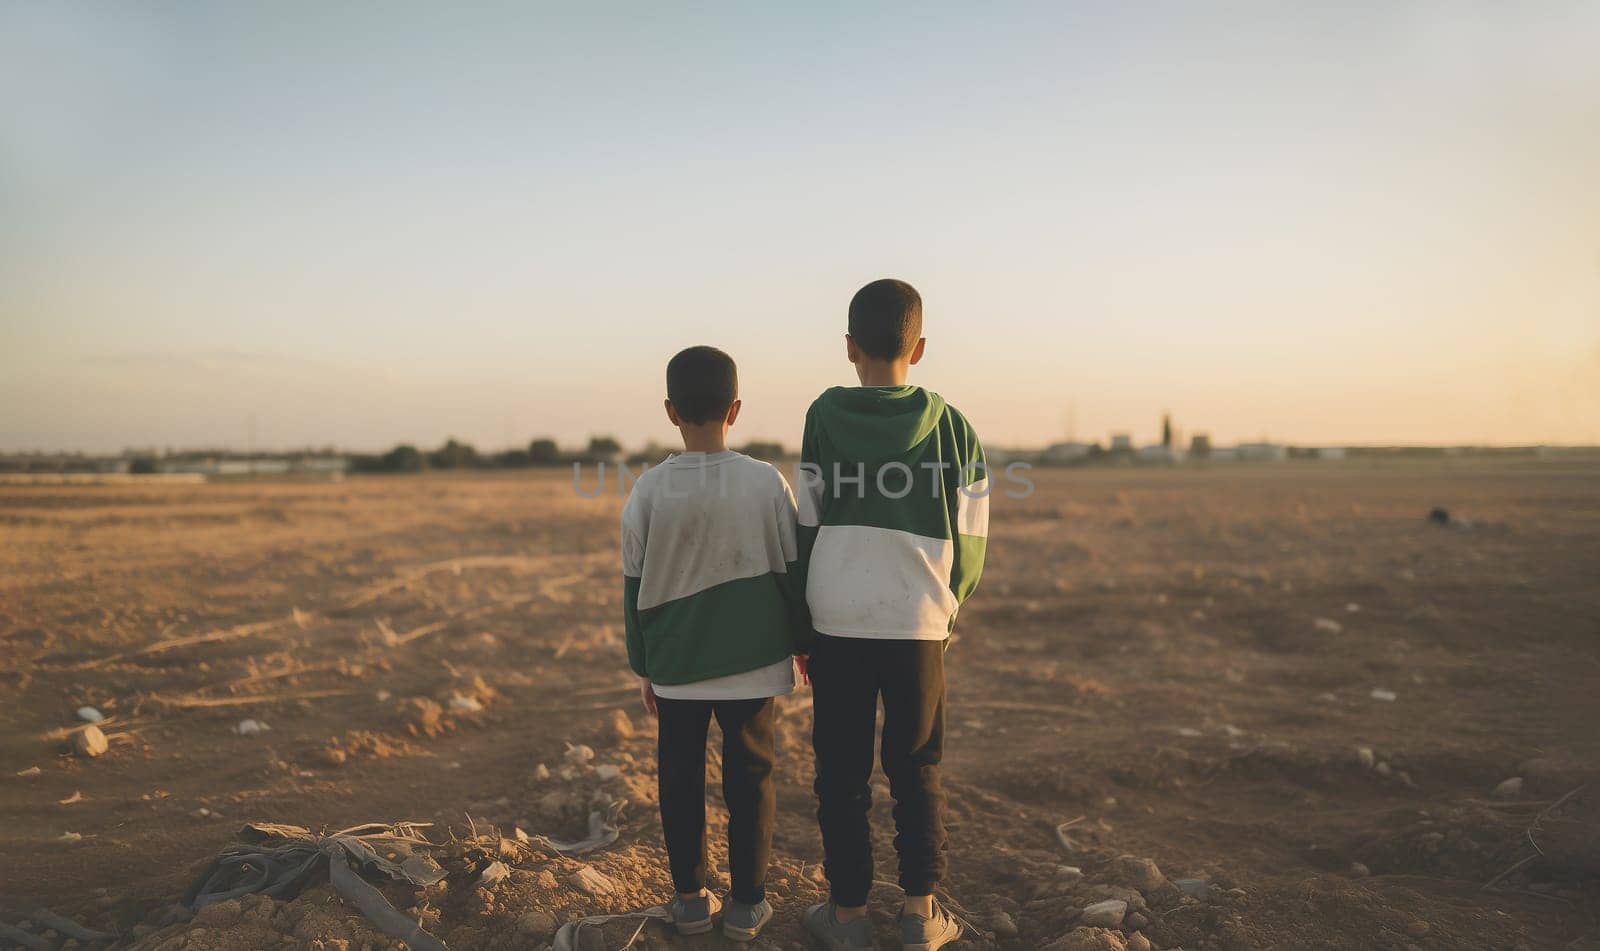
(1121, 442)
(1200, 446)
(1158, 455)
(1331, 452)
(1063, 453)
(1262, 452)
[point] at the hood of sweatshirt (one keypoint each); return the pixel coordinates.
(877, 423)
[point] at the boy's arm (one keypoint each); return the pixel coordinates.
(793, 581)
(971, 527)
(632, 571)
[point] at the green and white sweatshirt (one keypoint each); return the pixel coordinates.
(710, 602)
(894, 512)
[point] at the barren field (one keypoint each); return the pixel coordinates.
(1282, 681)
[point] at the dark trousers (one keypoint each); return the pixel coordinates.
(747, 745)
(848, 675)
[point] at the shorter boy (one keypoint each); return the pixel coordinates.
(708, 547)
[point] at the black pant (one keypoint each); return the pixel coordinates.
(848, 674)
(747, 745)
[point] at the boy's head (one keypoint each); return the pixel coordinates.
(702, 389)
(886, 323)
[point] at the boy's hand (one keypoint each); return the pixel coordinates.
(647, 696)
(803, 661)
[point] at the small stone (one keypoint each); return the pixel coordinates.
(1140, 873)
(579, 755)
(619, 726)
(383, 696)
(1002, 925)
(1383, 769)
(1105, 914)
(493, 874)
(90, 742)
(1366, 757)
(1136, 921)
(251, 728)
(1418, 929)
(90, 715)
(1138, 942)
(1327, 625)
(1352, 607)
(1383, 695)
(1088, 939)
(1193, 887)
(1068, 875)
(1359, 870)
(536, 924)
(541, 772)
(607, 772)
(461, 703)
(590, 881)
(29, 773)
(1189, 731)
(70, 838)
(1509, 789)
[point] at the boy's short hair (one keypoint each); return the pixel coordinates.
(702, 382)
(886, 319)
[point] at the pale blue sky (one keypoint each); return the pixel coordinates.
(366, 223)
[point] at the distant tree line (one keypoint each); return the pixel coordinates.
(455, 454)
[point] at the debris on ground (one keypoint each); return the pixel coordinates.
(90, 741)
(251, 728)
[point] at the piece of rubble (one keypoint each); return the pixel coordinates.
(1359, 870)
(1002, 925)
(90, 742)
(591, 881)
(29, 773)
(1509, 789)
(1140, 873)
(251, 728)
(1105, 914)
(606, 772)
(1193, 887)
(619, 726)
(1384, 695)
(462, 703)
(1366, 757)
(541, 772)
(90, 715)
(1327, 625)
(578, 755)
(70, 838)
(1088, 939)
(493, 874)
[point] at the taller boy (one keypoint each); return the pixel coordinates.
(894, 516)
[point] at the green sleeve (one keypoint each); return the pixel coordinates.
(810, 499)
(972, 521)
(630, 625)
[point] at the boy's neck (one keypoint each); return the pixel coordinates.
(707, 439)
(883, 372)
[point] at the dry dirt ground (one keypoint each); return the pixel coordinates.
(1177, 665)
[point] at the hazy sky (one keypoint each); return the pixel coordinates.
(367, 223)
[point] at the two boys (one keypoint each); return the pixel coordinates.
(726, 574)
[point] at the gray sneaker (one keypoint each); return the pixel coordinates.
(928, 934)
(830, 933)
(692, 915)
(741, 922)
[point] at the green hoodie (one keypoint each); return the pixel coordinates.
(894, 512)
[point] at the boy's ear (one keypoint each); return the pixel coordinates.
(672, 412)
(851, 351)
(733, 413)
(916, 352)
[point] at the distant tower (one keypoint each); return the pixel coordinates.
(1166, 430)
